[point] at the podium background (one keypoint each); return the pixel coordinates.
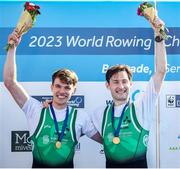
(88, 37)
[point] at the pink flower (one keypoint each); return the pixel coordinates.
(139, 12)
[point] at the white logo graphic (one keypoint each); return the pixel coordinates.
(171, 101)
(110, 137)
(45, 139)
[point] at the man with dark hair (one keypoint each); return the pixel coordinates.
(54, 130)
(125, 125)
(118, 68)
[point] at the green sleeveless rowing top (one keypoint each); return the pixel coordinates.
(44, 140)
(133, 138)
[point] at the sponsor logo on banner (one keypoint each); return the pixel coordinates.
(75, 101)
(20, 141)
(136, 93)
(172, 101)
(177, 100)
(174, 148)
(109, 102)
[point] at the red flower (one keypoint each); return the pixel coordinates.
(141, 11)
(25, 21)
(37, 7)
(27, 4)
(30, 8)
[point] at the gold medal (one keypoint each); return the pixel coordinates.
(58, 144)
(116, 140)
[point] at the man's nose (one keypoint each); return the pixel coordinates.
(61, 90)
(121, 86)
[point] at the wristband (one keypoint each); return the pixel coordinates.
(158, 39)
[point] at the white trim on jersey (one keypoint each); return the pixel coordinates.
(109, 106)
(132, 119)
(71, 127)
(42, 124)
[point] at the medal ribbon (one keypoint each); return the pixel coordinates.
(60, 135)
(117, 130)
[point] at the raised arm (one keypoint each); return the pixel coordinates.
(10, 74)
(160, 58)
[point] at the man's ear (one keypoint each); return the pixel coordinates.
(75, 89)
(131, 83)
(107, 85)
(51, 87)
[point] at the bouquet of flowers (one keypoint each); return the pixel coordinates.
(149, 12)
(26, 21)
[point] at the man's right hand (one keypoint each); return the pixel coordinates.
(46, 103)
(14, 37)
(157, 24)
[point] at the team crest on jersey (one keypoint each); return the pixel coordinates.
(126, 122)
(46, 139)
(110, 136)
(32, 144)
(145, 140)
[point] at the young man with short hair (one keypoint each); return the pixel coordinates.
(54, 130)
(125, 125)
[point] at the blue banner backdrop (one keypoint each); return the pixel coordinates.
(75, 34)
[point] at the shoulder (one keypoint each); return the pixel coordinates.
(32, 105)
(32, 101)
(98, 112)
(100, 109)
(82, 115)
